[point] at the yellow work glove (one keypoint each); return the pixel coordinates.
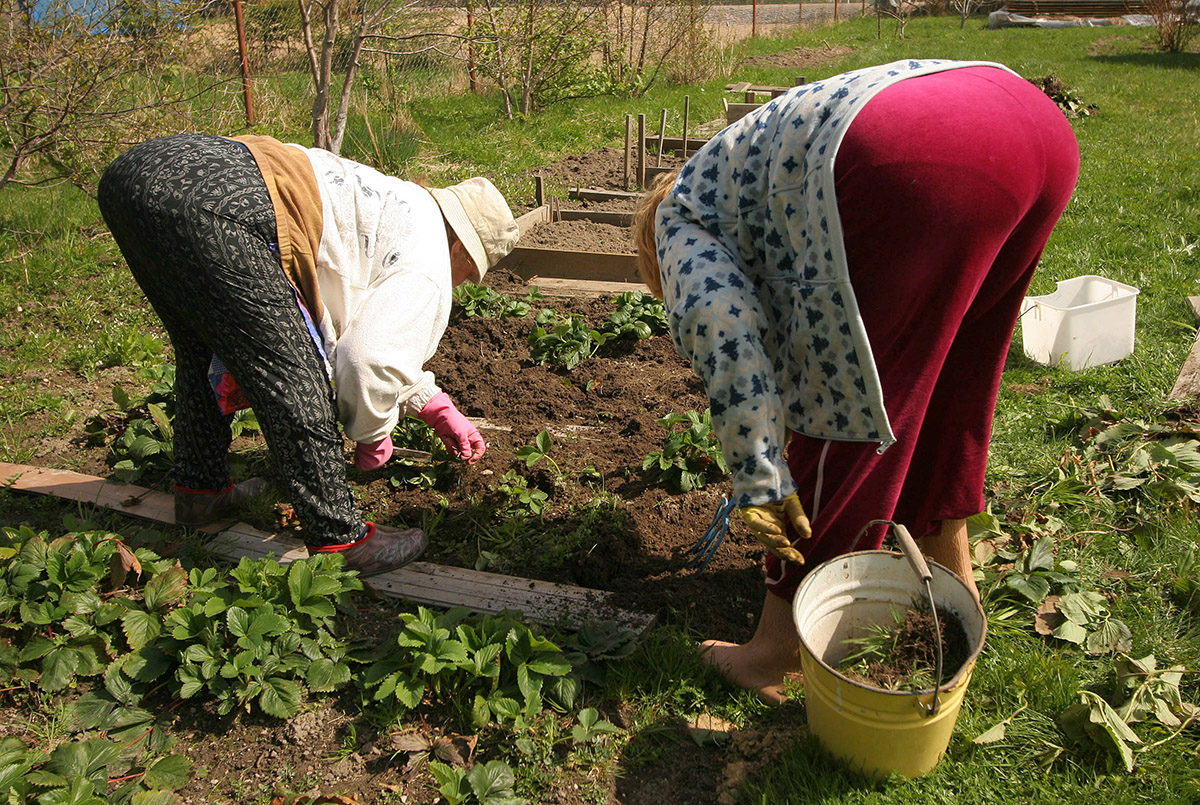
(768, 523)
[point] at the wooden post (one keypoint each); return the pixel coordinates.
(628, 145)
(801, 81)
(474, 84)
(687, 103)
(835, 10)
(662, 134)
(753, 18)
(751, 96)
(241, 34)
(641, 163)
(800, 13)
(539, 190)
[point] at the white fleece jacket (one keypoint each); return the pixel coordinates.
(383, 268)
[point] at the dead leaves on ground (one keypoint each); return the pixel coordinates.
(456, 750)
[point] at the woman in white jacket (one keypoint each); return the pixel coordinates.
(313, 289)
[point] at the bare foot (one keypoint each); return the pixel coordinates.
(738, 666)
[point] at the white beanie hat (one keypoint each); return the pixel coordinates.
(479, 215)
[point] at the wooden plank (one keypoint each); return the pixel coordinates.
(1187, 384)
(444, 587)
(676, 144)
(653, 173)
(529, 220)
(736, 111)
(528, 261)
(746, 86)
(614, 217)
(558, 287)
(420, 582)
(136, 501)
(598, 194)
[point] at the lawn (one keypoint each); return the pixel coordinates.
(1088, 555)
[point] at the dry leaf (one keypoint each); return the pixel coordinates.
(324, 799)
(1048, 618)
(123, 562)
(411, 741)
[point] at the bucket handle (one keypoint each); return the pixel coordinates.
(916, 560)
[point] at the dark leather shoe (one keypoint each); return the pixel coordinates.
(195, 508)
(383, 549)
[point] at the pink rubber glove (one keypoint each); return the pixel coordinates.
(372, 455)
(455, 430)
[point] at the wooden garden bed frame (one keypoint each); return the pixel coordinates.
(581, 270)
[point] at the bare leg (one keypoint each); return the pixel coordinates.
(771, 655)
(952, 550)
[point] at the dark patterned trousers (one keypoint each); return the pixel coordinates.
(193, 219)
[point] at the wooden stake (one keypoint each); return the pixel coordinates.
(662, 132)
(628, 145)
(539, 190)
(687, 103)
(641, 163)
(751, 96)
(241, 34)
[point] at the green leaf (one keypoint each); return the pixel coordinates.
(80, 791)
(1041, 555)
(172, 772)
(492, 781)
(1071, 632)
(325, 675)
(58, 669)
(1112, 636)
(1082, 608)
(1117, 731)
(1034, 587)
(37, 647)
(140, 627)
(83, 759)
(280, 697)
(165, 588)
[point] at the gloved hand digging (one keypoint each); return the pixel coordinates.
(768, 522)
(455, 430)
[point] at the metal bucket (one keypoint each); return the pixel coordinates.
(878, 731)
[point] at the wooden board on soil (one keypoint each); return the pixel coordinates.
(419, 582)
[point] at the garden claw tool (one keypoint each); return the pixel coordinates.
(707, 545)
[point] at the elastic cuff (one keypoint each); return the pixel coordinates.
(190, 491)
(367, 532)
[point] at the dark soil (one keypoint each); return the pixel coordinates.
(915, 652)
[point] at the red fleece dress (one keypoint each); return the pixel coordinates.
(948, 186)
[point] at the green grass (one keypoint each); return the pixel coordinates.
(68, 304)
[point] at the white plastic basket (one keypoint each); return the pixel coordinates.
(1087, 321)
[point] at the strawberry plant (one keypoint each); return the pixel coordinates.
(564, 341)
(691, 455)
(521, 499)
(421, 460)
(494, 670)
(482, 301)
(638, 315)
(264, 636)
